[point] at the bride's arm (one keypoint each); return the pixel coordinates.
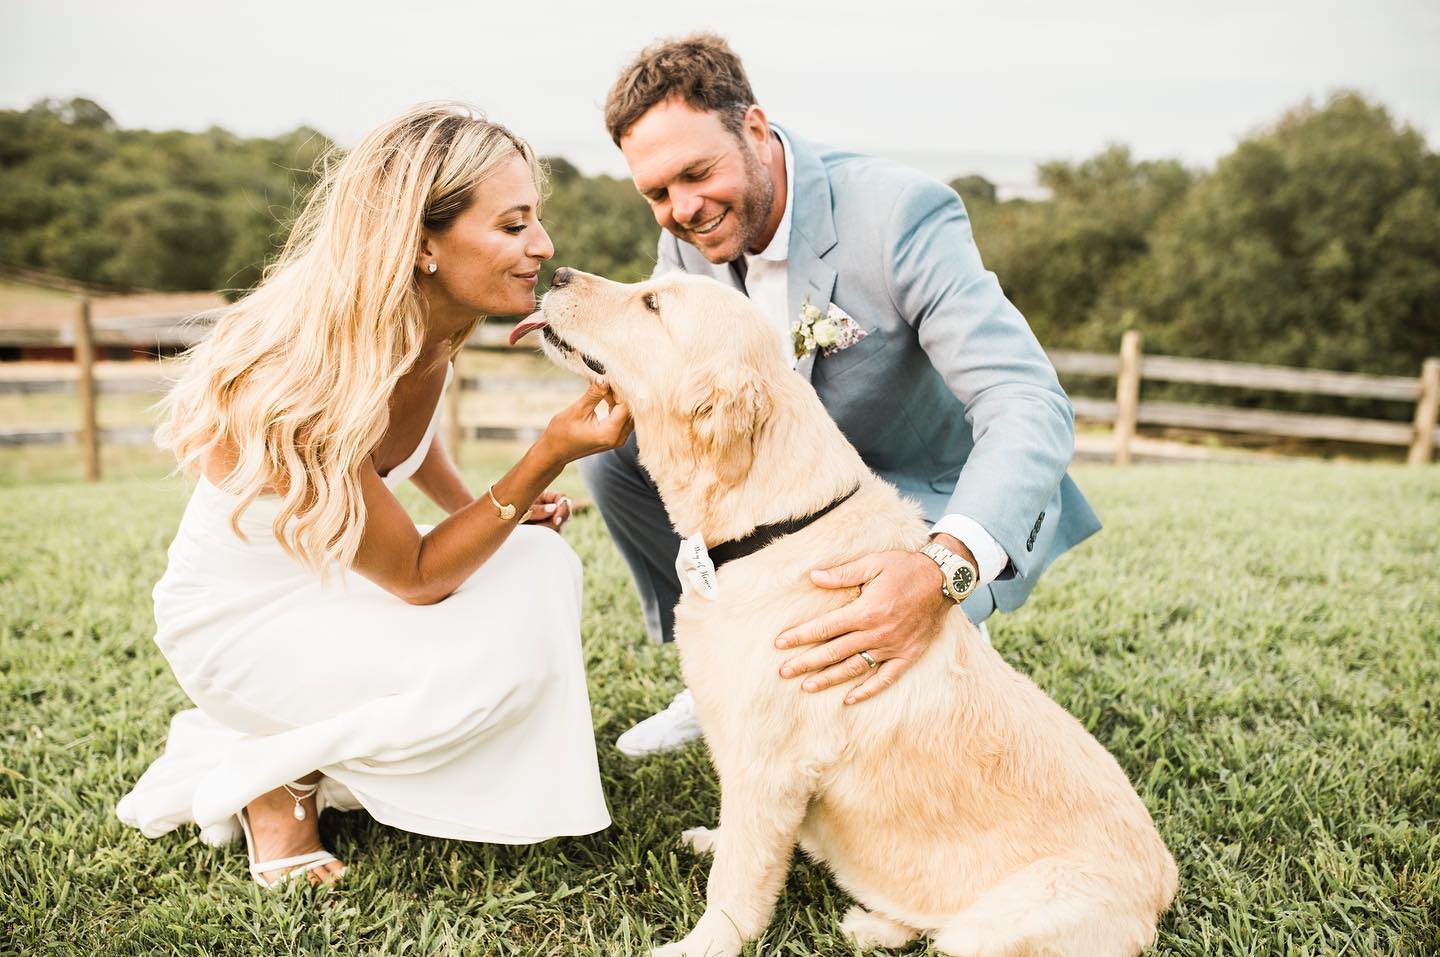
(440, 480)
(425, 569)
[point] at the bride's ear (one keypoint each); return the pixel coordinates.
(424, 255)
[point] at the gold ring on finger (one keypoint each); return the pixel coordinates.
(869, 660)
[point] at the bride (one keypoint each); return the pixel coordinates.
(338, 655)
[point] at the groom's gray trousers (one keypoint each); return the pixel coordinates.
(630, 504)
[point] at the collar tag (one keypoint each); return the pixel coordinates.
(696, 570)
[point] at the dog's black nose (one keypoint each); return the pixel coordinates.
(561, 277)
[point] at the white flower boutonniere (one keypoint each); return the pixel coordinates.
(830, 331)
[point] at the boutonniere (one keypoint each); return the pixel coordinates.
(830, 331)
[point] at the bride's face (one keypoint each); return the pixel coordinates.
(488, 261)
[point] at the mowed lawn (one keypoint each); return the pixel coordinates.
(1259, 646)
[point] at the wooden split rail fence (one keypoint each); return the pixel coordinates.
(1131, 366)
(1126, 412)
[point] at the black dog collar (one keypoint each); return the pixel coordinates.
(765, 534)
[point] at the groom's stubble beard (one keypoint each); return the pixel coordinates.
(751, 212)
(757, 202)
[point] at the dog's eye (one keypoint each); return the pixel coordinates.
(652, 302)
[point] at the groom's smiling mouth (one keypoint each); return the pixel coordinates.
(707, 227)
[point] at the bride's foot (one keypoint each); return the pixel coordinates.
(278, 835)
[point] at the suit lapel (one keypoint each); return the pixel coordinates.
(808, 277)
(737, 275)
(812, 235)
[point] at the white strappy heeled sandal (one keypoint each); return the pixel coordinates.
(292, 866)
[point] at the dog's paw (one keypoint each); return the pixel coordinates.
(700, 840)
(690, 947)
(706, 939)
(962, 939)
(871, 930)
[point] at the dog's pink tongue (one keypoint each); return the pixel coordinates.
(526, 327)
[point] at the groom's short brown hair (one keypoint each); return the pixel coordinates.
(701, 69)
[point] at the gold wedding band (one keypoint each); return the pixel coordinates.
(870, 661)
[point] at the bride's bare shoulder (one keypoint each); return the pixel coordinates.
(219, 461)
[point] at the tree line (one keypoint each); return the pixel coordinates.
(1315, 242)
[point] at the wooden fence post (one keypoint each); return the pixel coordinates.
(1127, 396)
(1427, 410)
(454, 429)
(85, 363)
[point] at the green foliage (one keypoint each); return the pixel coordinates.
(1057, 257)
(1274, 705)
(147, 229)
(975, 189)
(176, 210)
(599, 224)
(162, 210)
(1316, 242)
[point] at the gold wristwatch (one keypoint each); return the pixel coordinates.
(961, 577)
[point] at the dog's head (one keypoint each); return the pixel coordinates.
(684, 352)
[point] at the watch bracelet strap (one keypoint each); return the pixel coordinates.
(929, 551)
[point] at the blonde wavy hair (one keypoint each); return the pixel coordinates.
(297, 375)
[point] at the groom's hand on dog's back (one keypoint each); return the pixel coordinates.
(896, 616)
(581, 429)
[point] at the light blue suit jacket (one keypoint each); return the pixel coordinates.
(949, 397)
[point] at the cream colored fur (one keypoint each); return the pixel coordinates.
(962, 803)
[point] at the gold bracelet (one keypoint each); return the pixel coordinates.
(507, 512)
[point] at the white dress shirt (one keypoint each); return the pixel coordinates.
(767, 285)
(766, 272)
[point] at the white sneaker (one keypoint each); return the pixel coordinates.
(668, 730)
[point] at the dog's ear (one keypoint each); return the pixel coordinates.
(727, 409)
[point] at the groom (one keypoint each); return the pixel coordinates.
(929, 371)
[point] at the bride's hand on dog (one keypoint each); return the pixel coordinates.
(896, 616)
(581, 429)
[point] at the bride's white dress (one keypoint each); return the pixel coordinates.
(464, 719)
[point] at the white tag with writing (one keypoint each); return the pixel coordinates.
(695, 568)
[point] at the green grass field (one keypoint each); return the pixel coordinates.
(1259, 646)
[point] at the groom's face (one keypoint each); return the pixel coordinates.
(707, 186)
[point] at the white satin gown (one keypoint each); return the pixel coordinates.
(464, 719)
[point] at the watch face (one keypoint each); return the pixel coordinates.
(963, 579)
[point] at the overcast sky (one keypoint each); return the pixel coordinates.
(952, 87)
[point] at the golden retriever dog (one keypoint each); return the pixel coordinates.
(963, 803)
